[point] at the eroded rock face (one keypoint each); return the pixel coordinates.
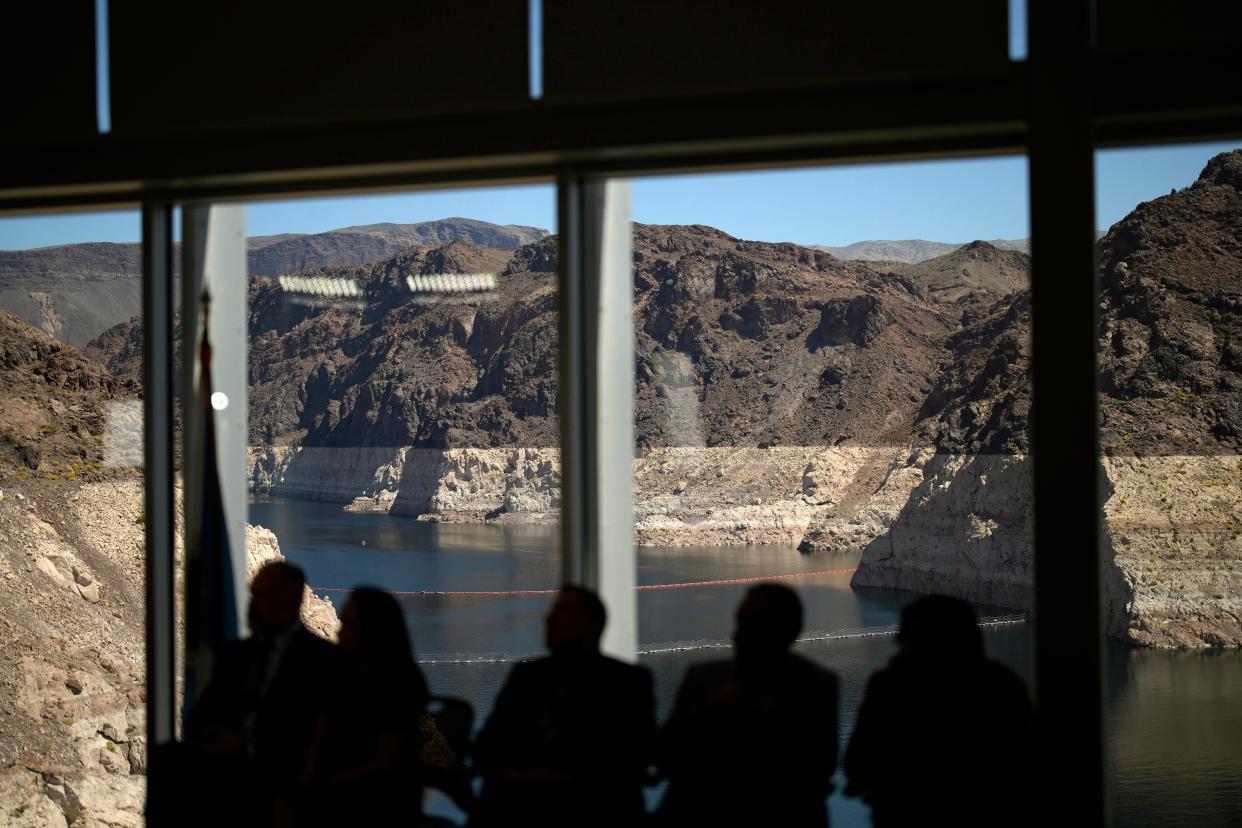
(751, 326)
(436, 484)
(1171, 427)
(875, 498)
(48, 796)
(318, 614)
(965, 531)
(73, 747)
(684, 495)
(980, 400)
(1171, 321)
(859, 320)
(1174, 527)
(72, 680)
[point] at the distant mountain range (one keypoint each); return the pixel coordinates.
(290, 252)
(75, 292)
(913, 251)
(910, 251)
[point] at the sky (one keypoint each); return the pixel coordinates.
(949, 201)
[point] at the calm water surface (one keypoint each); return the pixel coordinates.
(1175, 718)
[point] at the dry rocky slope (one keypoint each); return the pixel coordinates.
(753, 360)
(738, 343)
(72, 706)
(72, 292)
(75, 292)
(776, 387)
(785, 395)
(1171, 419)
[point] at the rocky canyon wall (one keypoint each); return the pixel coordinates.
(683, 496)
(965, 530)
(73, 749)
(1173, 537)
(1173, 558)
(521, 484)
(958, 524)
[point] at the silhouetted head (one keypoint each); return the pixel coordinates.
(575, 623)
(276, 597)
(768, 621)
(940, 626)
(373, 630)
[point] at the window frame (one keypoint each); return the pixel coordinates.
(1040, 107)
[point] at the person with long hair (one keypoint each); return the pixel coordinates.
(364, 768)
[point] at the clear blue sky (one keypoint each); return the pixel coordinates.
(952, 201)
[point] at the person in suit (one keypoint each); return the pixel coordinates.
(364, 766)
(944, 733)
(752, 740)
(257, 716)
(569, 740)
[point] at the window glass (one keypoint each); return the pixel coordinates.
(832, 391)
(403, 414)
(72, 559)
(1170, 270)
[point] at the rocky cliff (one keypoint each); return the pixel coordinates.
(683, 495)
(63, 416)
(72, 652)
(72, 676)
(1170, 322)
(72, 292)
(739, 343)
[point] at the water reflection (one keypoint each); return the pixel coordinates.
(1175, 736)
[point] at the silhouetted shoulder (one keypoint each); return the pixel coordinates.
(600, 665)
(1002, 677)
(808, 671)
(233, 654)
(710, 673)
(308, 654)
(635, 673)
(314, 645)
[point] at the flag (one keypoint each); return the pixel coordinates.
(210, 596)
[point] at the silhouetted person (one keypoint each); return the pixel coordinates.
(569, 740)
(753, 740)
(944, 735)
(257, 716)
(364, 767)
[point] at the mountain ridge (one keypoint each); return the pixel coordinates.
(75, 292)
(909, 251)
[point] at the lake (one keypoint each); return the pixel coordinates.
(1175, 718)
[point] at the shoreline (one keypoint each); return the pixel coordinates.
(927, 522)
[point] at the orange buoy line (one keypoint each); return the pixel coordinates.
(747, 580)
(427, 593)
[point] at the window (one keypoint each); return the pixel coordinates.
(403, 425)
(831, 390)
(72, 500)
(1170, 386)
